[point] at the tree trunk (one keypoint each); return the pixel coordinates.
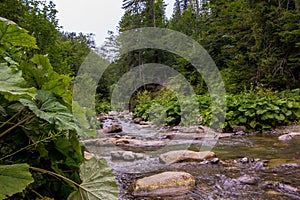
(153, 13)
(197, 7)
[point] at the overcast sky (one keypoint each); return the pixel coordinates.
(93, 16)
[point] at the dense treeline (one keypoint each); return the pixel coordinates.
(255, 45)
(252, 43)
(65, 50)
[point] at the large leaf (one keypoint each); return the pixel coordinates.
(84, 118)
(14, 179)
(11, 33)
(40, 74)
(47, 107)
(12, 85)
(98, 182)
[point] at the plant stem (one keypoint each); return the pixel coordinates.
(17, 114)
(55, 174)
(16, 125)
(27, 147)
(35, 192)
(65, 179)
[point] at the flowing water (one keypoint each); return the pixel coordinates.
(273, 166)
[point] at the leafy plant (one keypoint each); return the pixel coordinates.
(162, 109)
(98, 182)
(40, 151)
(257, 109)
(13, 179)
(102, 106)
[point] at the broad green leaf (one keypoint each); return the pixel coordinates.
(265, 126)
(242, 119)
(47, 107)
(98, 182)
(12, 84)
(297, 113)
(14, 179)
(11, 33)
(290, 105)
(261, 111)
(267, 116)
(280, 117)
(40, 74)
(288, 113)
(250, 113)
(70, 147)
(274, 107)
(253, 124)
(82, 115)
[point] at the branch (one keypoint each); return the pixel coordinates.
(16, 125)
(17, 114)
(56, 175)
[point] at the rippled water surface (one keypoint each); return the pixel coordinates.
(274, 165)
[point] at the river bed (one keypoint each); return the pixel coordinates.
(248, 167)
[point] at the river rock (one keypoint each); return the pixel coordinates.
(145, 123)
(137, 120)
(100, 142)
(113, 113)
(185, 155)
(225, 135)
(114, 128)
(184, 136)
(236, 129)
(289, 136)
(245, 160)
(145, 126)
(215, 161)
(246, 179)
(164, 184)
(126, 155)
(288, 188)
(88, 155)
(139, 145)
(190, 129)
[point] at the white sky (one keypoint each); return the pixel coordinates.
(93, 16)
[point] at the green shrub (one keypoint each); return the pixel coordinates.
(257, 109)
(102, 106)
(260, 109)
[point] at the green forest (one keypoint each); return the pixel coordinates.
(255, 45)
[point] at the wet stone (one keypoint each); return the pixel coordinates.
(139, 145)
(137, 120)
(114, 128)
(215, 161)
(127, 155)
(289, 136)
(288, 188)
(185, 156)
(246, 179)
(245, 160)
(164, 184)
(239, 129)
